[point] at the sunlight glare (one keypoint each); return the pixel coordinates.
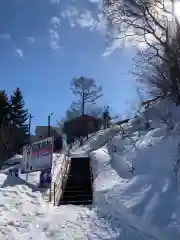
(177, 9)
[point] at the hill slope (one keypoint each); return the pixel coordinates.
(135, 192)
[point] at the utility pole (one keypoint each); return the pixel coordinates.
(83, 103)
(29, 133)
(29, 129)
(49, 124)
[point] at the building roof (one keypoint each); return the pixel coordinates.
(42, 131)
(81, 118)
(122, 121)
(85, 116)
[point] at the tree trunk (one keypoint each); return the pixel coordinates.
(83, 103)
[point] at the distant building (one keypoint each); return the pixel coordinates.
(122, 121)
(81, 126)
(42, 132)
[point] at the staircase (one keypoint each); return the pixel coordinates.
(78, 189)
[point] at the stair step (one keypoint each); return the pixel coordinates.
(84, 194)
(80, 183)
(79, 175)
(74, 190)
(74, 195)
(78, 190)
(71, 194)
(89, 202)
(79, 178)
(83, 173)
(76, 198)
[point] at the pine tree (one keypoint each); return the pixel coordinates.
(19, 114)
(4, 107)
(5, 133)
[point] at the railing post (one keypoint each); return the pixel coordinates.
(50, 194)
(91, 172)
(54, 193)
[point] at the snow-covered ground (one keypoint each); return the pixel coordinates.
(136, 195)
(12, 162)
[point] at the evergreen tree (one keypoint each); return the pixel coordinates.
(19, 114)
(5, 134)
(4, 107)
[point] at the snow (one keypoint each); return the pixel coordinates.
(136, 195)
(12, 161)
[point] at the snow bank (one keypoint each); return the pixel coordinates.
(109, 203)
(149, 190)
(100, 139)
(12, 162)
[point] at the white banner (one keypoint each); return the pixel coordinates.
(38, 157)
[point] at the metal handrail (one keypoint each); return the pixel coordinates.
(64, 176)
(91, 171)
(55, 183)
(60, 180)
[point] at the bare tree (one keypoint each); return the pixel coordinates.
(154, 23)
(153, 76)
(87, 91)
(176, 169)
(94, 110)
(144, 20)
(161, 78)
(166, 117)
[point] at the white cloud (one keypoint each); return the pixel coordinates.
(53, 33)
(55, 1)
(127, 40)
(71, 13)
(31, 39)
(19, 52)
(95, 1)
(53, 39)
(5, 36)
(55, 22)
(99, 4)
(86, 20)
(116, 44)
(101, 24)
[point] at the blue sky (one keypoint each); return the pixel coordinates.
(45, 43)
